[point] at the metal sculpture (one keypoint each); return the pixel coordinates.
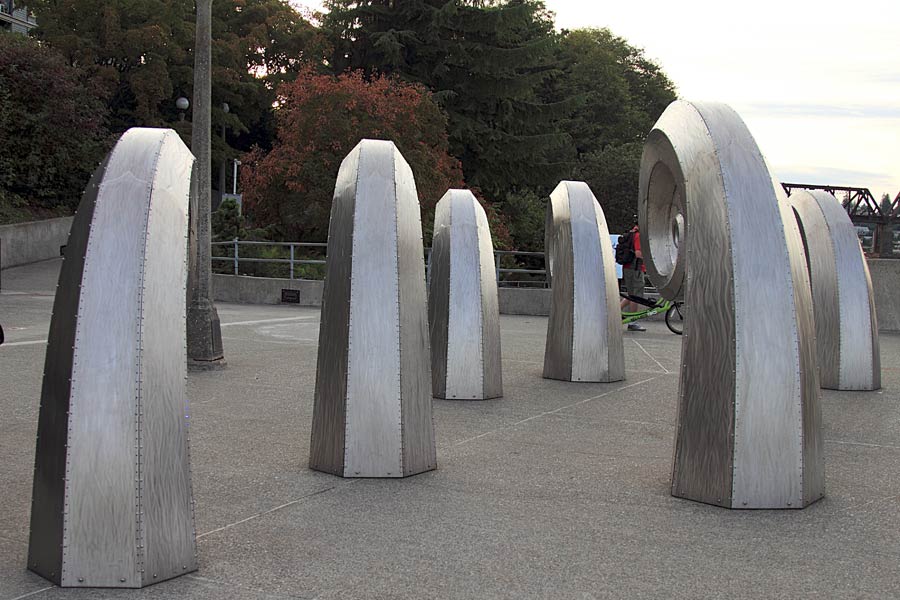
(584, 334)
(748, 431)
(112, 504)
(846, 326)
(463, 309)
(372, 412)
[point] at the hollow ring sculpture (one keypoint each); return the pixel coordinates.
(372, 409)
(463, 309)
(846, 325)
(748, 429)
(584, 333)
(111, 505)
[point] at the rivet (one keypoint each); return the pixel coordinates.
(81, 580)
(155, 576)
(744, 503)
(122, 580)
(789, 503)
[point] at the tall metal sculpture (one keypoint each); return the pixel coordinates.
(748, 429)
(463, 308)
(584, 334)
(112, 504)
(846, 326)
(372, 412)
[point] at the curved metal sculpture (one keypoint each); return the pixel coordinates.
(714, 232)
(112, 485)
(463, 309)
(846, 326)
(372, 413)
(584, 334)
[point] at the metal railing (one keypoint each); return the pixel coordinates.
(512, 268)
(291, 260)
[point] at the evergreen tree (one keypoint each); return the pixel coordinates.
(485, 62)
(620, 95)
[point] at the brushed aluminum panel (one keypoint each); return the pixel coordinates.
(101, 531)
(126, 512)
(846, 339)
(812, 442)
(465, 369)
(463, 301)
(768, 402)
(560, 269)
(167, 531)
(858, 338)
(373, 421)
(747, 394)
(823, 283)
(595, 351)
(418, 444)
(679, 167)
(611, 314)
(439, 297)
(589, 352)
(326, 451)
(47, 501)
(490, 310)
(876, 346)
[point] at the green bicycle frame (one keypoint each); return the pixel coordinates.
(660, 307)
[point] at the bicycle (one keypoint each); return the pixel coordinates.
(674, 312)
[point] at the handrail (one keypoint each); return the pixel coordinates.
(536, 277)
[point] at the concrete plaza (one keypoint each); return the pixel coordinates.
(557, 490)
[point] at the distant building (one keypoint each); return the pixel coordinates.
(15, 17)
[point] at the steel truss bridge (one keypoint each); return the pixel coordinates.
(863, 209)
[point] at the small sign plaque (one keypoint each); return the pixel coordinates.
(290, 296)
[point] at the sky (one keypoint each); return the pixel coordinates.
(818, 83)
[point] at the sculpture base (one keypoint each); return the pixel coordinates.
(132, 584)
(204, 333)
(198, 366)
(348, 475)
(727, 504)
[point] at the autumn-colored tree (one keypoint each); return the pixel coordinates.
(320, 118)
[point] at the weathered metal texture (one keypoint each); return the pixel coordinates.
(372, 412)
(111, 505)
(846, 325)
(584, 334)
(463, 309)
(748, 432)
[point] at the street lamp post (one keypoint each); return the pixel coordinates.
(223, 168)
(204, 334)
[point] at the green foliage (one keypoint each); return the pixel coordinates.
(484, 61)
(621, 94)
(227, 222)
(612, 174)
(52, 124)
(525, 213)
(139, 52)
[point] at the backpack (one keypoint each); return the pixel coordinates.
(625, 249)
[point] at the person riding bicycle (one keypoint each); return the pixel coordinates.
(633, 275)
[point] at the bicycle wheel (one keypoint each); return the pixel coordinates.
(675, 318)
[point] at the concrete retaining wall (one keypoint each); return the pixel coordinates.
(262, 290)
(525, 301)
(24, 243)
(886, 287)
